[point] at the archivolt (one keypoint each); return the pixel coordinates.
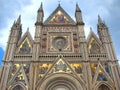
(60, 79)
(20, 85)
(106, 84)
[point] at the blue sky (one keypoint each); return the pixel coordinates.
(107, 9)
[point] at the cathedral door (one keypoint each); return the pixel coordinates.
(18, 87)
(103, 87)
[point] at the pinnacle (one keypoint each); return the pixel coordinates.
(77, 7)
(41, 7)
(28, 29)
(18, 20)
(99, 20)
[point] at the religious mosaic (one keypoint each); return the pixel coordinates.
(43, 68)
(25, 47)
(17, 72)
(78, 68)
(101, 76)
(60, 66)
(59, 18)
(94, 48)
(13, 71)
(26, 69)
(93, 69)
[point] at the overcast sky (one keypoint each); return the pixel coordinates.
(108, 10)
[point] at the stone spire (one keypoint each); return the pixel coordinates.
(18, 20)
(101, 23)
(77, 8)
(78, 15)
(99, 20)
(40, 15)
(41, 8)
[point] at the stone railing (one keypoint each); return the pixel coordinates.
(54, 56)
(95, 57)
(22, 57)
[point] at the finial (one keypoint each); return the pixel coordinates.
(91, 29)
(77, 7)
(99, 20)
(41, 7)
(59, 2)
(19, 20)
(28, 29)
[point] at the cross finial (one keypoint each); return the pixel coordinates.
(59, 2)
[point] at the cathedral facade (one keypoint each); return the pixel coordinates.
(60, 57)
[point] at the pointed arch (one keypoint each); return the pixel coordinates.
(94, 44)
(61, 66)
(18, 86)
(19, 76)
(25, 44)
(54, 80)
(104, 86)
(100, 75)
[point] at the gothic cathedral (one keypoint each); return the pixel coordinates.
(60, 57)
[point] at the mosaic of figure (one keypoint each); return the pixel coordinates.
(13, 70)
(25, 48)
(95, 49)
(60, 67)
(107, 68)
(78, 69)
(101, 77)
(59, 18)
(93, 69)
(19, 77)
(26, 69)
(43, 69)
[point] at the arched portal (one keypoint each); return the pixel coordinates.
(103, 87)
(18, 87)
(61, 81)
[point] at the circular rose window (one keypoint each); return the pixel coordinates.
(59, 42)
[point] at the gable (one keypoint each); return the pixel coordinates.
(59, 17)
(93, 44)
(25, 44)
(19, 73)
(100, 72)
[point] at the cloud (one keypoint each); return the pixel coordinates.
(107, 9)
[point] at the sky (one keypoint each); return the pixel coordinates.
(107, 9)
